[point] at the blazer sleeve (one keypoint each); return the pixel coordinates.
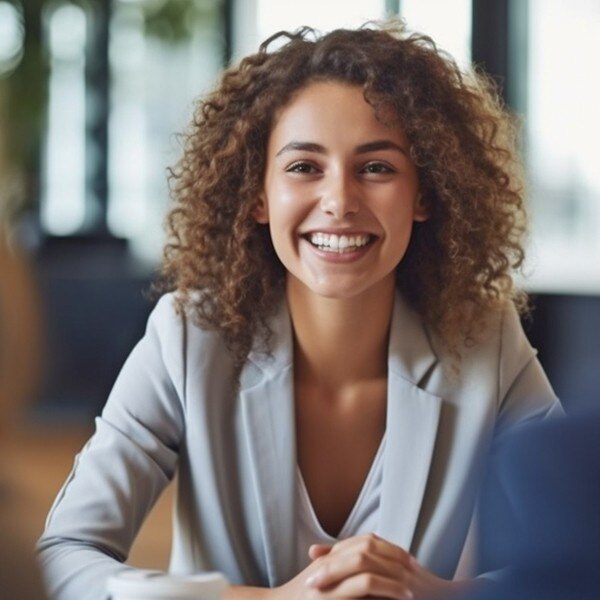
(124, 467)
(524, 392)
(524, 396)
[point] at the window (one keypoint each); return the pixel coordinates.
(11, 37)
(123, 78)
(258, 19)
(160, 63)
(64, 186)
(563, 130)
(448, 23)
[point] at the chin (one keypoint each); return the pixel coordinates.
(336, 291)
(340, 287)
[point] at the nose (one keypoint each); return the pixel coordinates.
(340, 196)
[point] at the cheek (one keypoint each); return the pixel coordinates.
(401, 223)
(287, 205)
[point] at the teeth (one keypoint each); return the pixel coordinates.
(334, 243)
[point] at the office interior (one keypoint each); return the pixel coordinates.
(93, 94)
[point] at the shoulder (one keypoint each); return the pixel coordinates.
(512, 338)
(502, 342)
(498, 342)
(499, 359)
(173, 327)
(501, 350)
(166, 319)
(516, 356)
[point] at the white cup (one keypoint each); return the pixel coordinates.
(155, 585)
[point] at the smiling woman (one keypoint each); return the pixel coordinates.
(340, 340)
(461, 142)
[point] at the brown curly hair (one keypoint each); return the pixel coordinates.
(457, 269)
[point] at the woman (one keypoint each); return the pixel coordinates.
(342, 340)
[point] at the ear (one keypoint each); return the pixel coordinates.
(261, 212)
(421, 212)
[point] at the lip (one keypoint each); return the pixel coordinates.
(333, 231)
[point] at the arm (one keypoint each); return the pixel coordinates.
(524, 392)
(524, 396)
(239, 592)
(122, 470)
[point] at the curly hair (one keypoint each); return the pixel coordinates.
(457, 269)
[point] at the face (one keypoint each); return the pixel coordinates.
(340, 193)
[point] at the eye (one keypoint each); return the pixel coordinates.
(377, 168)
(302, 167)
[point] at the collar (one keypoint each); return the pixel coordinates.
(410, 353)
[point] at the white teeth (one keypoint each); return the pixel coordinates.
(334, 243)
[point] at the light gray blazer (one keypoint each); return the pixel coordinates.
(175, 407)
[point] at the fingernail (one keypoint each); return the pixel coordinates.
(408, 595)
(313, 580)
(414, 562)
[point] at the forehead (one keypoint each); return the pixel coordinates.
(334, 109)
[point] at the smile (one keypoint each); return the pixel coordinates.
(339, 244)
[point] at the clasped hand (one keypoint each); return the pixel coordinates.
(363, 566)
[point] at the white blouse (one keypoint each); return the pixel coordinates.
(364, 517)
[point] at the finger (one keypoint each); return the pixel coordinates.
(370, 585)
(318, 550)
(336, 568)
(373, 544)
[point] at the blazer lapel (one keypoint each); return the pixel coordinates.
(266, 394)
(412, 423)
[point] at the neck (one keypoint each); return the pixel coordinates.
(340, 342)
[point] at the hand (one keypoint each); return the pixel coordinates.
(359, 567)
(367, 566)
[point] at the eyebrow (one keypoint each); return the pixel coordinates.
(362, 149)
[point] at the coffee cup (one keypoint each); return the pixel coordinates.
(156, 585)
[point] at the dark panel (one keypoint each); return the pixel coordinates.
(97, 113)
(566, 331)
(95, 305)
(227, 21)
(498, 45)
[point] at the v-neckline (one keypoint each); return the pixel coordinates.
(359, 499)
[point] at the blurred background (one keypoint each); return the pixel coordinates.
(92, 95)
